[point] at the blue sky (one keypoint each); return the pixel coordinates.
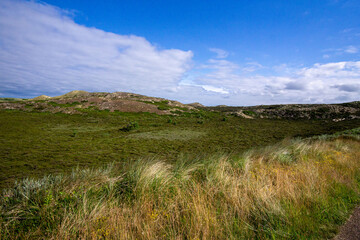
(212, 52)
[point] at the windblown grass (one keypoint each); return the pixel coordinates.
(297, 189)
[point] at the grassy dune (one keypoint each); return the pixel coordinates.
(296, 189)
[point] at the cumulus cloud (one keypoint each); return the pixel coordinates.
(348, 87)
(295, 85)
(43, 50)
(336, 70)
(319, 83)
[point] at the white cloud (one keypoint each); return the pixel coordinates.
(252, 66)
(330, 71)
(188, 82)
(351, 49)
(214, 89)
(220, 52)
(340, 51)
(316, 84)
(43, 50)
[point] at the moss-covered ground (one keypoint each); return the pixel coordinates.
(34, 144)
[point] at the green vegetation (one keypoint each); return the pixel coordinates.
(250, 113)
(130, 126)
(296, 111)
(210, 173)
(29, 105)
(171, 135)
(352, 133)
(72, 104)
(162, 105)
(12, 100)
(38, 143)
(295, 189)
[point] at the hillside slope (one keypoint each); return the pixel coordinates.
(81, 101)
(335, 112)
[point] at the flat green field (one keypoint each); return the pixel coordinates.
(36, 144)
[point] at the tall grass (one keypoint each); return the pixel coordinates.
(297, 189)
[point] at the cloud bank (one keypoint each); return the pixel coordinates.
(320, 83)
(43, 50)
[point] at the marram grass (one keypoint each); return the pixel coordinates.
(297, 189)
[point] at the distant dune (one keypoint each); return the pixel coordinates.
(79, 101)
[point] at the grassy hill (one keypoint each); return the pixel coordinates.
(79, 102)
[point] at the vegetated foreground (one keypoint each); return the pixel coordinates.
(296, 189)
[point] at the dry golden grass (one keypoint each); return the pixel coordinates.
(295, 189)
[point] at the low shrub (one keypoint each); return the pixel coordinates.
(130, 126)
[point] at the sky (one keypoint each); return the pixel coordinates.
(240, 52)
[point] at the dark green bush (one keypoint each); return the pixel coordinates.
(129, 127)
(163, 107)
